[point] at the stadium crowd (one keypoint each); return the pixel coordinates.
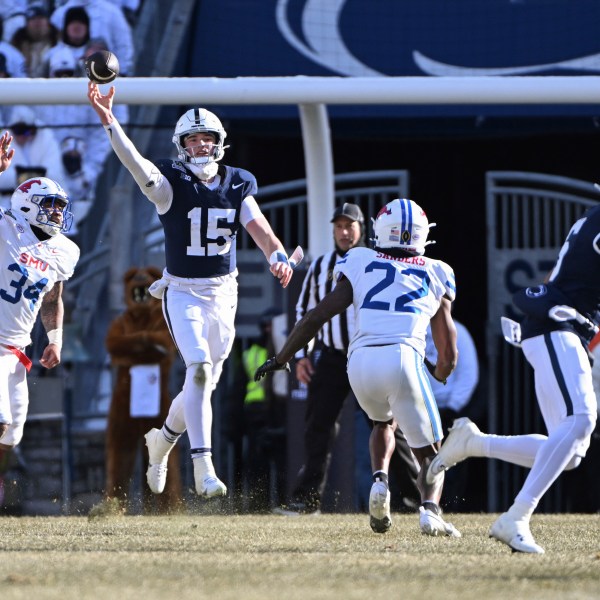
(49, 40)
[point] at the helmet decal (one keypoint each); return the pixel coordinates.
(37, 201)
(384, 210)
(26, 185)
(402, 224)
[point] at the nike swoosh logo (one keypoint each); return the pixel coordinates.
(236, 186)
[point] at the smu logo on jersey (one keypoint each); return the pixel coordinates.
(31, 261)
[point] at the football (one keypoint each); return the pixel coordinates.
(102, 67)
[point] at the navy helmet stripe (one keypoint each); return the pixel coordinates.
(406, 210)
(558, 373)
(404, 219)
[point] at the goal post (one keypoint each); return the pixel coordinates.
(312, 95)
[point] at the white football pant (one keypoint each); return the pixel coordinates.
(390, 381)
(14, 396)
(201, 321)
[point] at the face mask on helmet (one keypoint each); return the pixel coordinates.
(42, 202)
(402, 224)
(199, 120)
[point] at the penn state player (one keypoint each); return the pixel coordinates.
(35, 259)
(202, 204)
(560, 319)
(396, 292)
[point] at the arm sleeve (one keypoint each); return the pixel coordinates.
(249, 210)
(153, 184)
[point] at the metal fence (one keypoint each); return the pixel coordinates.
(284, 205)
(528, 218)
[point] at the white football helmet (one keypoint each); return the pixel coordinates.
(37, 198)
(199, 120)
(403, 224)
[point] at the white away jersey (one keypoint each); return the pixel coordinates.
(29, 268)
(394, 298)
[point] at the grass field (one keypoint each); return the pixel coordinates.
(290, 558)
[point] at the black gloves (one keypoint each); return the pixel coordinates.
(447, 415)
(431, 368)
(268, 367)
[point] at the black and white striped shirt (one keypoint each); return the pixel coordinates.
(336, 333)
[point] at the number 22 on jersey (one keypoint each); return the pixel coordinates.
(380, 297)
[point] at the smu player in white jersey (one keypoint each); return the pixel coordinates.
(35, 259)
(396, 292)
(202, 205)
(561, 317)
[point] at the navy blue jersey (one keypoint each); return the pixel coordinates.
(202, 224)
(576, 278)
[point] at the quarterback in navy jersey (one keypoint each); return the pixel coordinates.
(201, 204)
(561, 316)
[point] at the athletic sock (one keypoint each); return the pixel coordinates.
(380, 476)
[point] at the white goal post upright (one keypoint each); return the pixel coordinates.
(312, 94)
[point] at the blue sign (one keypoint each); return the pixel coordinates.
(351, 38)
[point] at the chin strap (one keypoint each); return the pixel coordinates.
(204, 171)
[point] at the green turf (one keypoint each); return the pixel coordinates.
(304, 558)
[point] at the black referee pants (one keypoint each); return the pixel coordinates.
(327, 391)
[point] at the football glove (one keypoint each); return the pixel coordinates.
(431, 368)
(269, 366)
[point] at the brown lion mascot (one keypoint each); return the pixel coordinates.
(139, 336)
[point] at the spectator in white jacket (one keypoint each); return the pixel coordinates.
(74, 37)
(106, 21)
(15, 61)
(12, 16)
(35, 39)
(37, 153)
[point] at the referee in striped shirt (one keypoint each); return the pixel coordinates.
(327, 380)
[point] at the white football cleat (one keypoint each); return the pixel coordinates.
(156, 475)
(379, 507)
(454, 449)
(434, 525)
(211, 487)
(515, 534)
